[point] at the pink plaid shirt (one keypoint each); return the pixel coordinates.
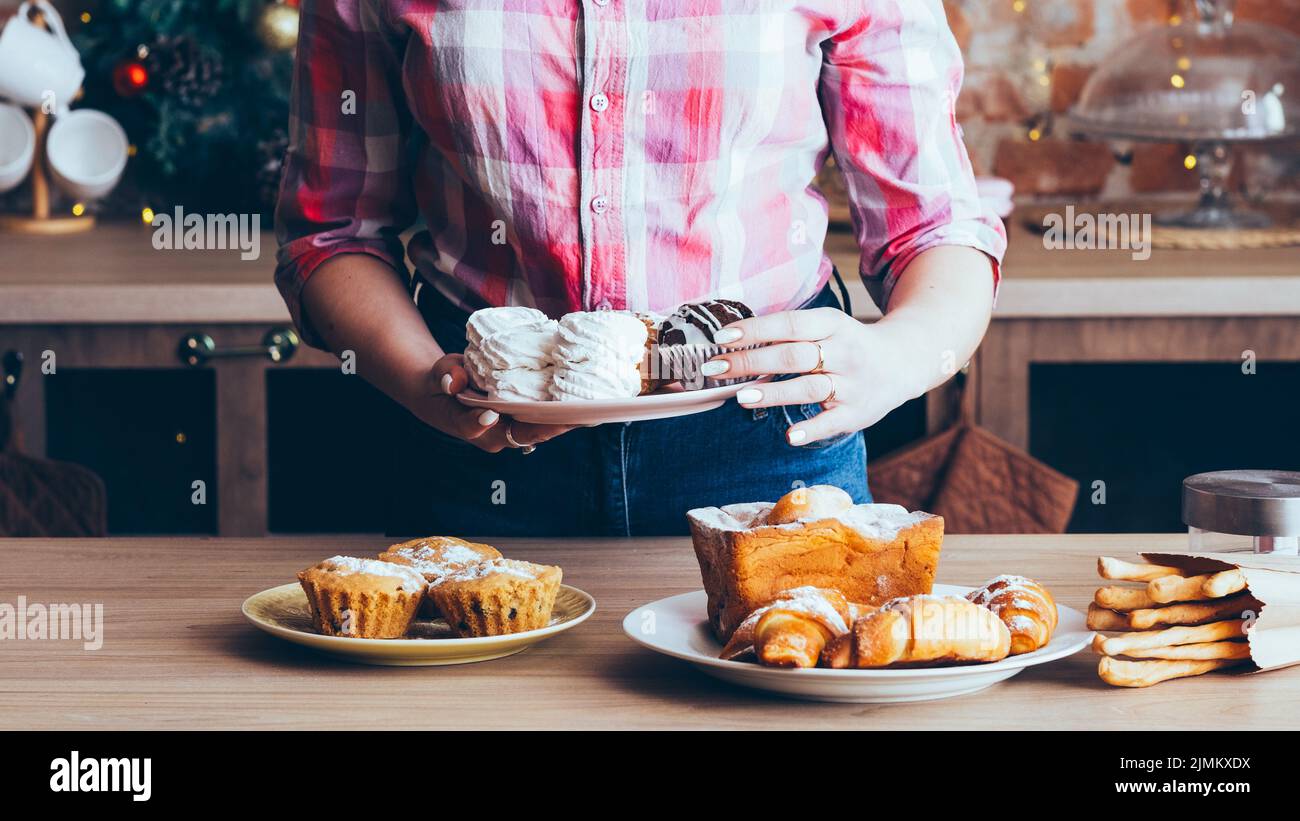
(638, 154)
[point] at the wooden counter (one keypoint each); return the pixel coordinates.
(177, 654)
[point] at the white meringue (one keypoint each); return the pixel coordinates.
(517, 354)
(521, 385)
(596, 380)
(487, 321)
(598, 335)
(598, 356)
(480, 370)
(526, 347)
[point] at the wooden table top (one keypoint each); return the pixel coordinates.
(114, 275)
(177, 654)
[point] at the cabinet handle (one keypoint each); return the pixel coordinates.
(279, 345)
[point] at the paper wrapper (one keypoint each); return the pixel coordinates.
(681, 363)
(1275, 580)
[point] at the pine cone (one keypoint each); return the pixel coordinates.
(270, 163)
(184, 70)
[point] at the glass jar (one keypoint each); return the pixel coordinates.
(1232, 511)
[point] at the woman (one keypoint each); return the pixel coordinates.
(631, 154)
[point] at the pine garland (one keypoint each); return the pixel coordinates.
(212, 115)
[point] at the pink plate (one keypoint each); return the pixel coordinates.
(669, 401)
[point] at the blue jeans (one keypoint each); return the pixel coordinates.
(619, 479)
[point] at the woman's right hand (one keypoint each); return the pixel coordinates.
(437, 406)
(356, 304)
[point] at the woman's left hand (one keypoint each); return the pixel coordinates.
(857, 372)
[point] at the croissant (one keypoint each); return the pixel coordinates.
(1024, 605)
(919, 630)
(741, 644)
(793, 629)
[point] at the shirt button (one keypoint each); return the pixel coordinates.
(604, 306)
(602, 2)
(600, 204)
(599, 102)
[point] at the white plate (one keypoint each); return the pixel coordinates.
(670, 401)
(676, 626)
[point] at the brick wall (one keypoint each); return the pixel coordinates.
(1025, 58)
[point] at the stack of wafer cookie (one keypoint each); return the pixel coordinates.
(1171, 626)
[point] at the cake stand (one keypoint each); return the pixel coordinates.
(1209, 80)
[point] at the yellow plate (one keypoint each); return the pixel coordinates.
(282, 611)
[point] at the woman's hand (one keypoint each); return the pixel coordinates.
(936, 316)
(857, 372)
(436, 405)
(357, 304)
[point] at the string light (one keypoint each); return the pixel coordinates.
(78, 209)
(1177, 81)
(147, 216)
(1018, 6)
(85, 17)
(1189, 162)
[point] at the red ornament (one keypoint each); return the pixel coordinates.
(130, 77)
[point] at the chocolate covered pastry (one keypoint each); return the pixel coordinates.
(697, 322)
(686, 340)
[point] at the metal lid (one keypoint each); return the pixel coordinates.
(1244, 502)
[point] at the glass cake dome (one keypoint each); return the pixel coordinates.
(1209, 80)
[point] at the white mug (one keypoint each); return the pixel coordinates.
(86, 151)
(17, 146)
(36, 65)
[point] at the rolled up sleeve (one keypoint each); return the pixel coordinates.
(889, 86)
(347, 184)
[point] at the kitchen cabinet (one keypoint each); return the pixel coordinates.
(297, 441)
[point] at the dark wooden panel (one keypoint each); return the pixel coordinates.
(150, 434)
(1142, 427)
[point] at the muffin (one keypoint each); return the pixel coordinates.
(435, 557)
(362, 598)
(686, 340)
(497, 597)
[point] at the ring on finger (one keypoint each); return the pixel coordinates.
(820, 367)
(510, 439)
(830, 397)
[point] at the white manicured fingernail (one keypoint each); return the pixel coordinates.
(714, 367)
(749, 396)
(446, 383)
(726, 335)
(796, 437)
(488, 418)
